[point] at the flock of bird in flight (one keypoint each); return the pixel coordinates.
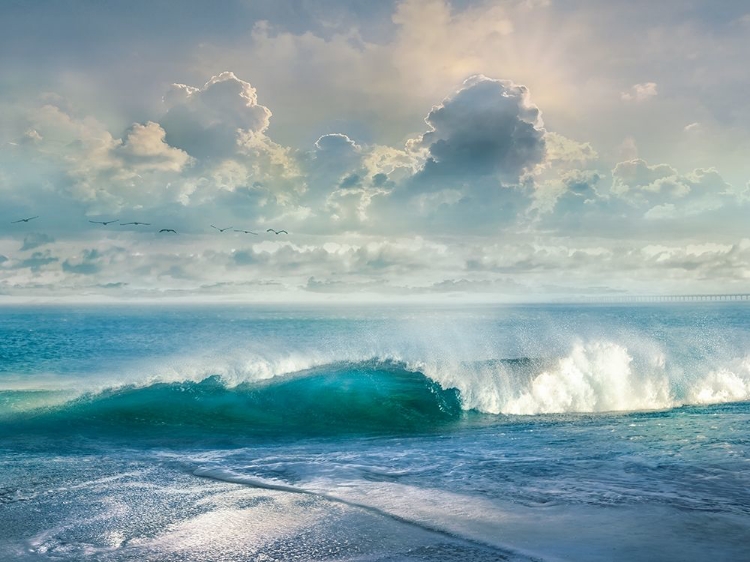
(163, 230)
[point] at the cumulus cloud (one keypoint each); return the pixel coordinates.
(336, 157)
(208, 122)
(145, 149)
(485, 167)
(562, 149)
(667, 192)
(210, 140)
(223, 127)
(636, 177)
(107, 173)
(569, 193)
(488, 128)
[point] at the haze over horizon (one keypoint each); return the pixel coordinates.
(500, 150)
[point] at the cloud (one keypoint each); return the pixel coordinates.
(223, 127)
(145, 149)
(641, 92)
(562, 149)
(88, 263)
(106, 173)
(669, 193)
(336, 143)
(336, 157)
(571, 193)
(151, 167)
(494, 286)
(209, 122)
(36, 239)
(488, 128)
(37, 261)
(636, 177)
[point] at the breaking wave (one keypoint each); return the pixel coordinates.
(383, 395)
(345, 398)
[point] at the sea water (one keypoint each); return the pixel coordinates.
(220, 433)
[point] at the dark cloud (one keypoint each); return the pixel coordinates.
(36, 239)
(351, 181)
(379, 180)
(489, 128)
(37, 261)
(89, 263)
(111, 286)
(483, 140)
(335, 162)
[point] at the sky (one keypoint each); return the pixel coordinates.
(502, 150)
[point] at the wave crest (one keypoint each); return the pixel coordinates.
(383, 395)
(343, 398)
(595, 378)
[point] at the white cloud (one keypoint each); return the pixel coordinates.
(670, 193)
(641, 92)
(145, 149)
(562, 149)
(210, 121)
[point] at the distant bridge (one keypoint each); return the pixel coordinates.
(662, 298)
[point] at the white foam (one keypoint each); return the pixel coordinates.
(728, 384)
(597, 377)
(624, 373)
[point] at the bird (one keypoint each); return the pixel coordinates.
(221, 229)
(25, 220)
(136, 223)
(277, 232)
(105, 223)
(167, 230)
(247, 232)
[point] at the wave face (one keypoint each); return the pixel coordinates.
(345, 398)
(381, 396)
(255, 372)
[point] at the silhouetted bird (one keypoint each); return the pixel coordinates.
(221, 229)
(136, 223)
(277, 232)
(167, 230)
(247, 232)
(25, 220)
(105, 223)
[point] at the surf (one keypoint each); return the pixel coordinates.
(345, 398)
(394, 393)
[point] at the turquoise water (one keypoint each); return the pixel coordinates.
(479, 433)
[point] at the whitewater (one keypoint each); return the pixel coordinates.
(537, 432)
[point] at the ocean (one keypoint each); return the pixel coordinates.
(375, 433)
